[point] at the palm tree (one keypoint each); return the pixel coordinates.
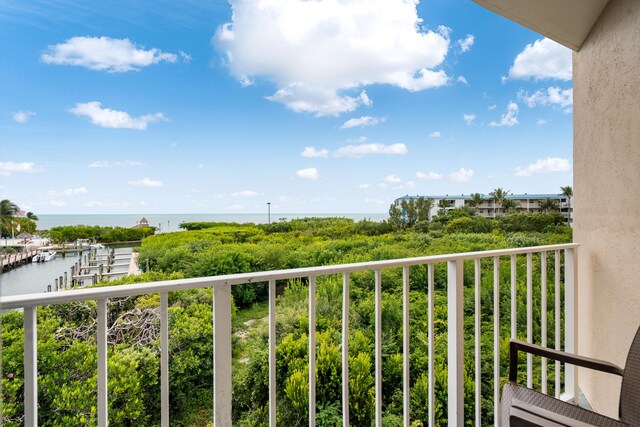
(510, 204)
(32, 216)
(499, 196)
(476, 199)
(568, 193)
(8, 210)
(549, 204)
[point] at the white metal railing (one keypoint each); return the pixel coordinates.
(222, 329)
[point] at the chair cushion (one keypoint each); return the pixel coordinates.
(523, 397)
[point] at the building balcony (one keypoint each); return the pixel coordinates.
(550, 274)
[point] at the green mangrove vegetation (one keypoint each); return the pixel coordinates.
(66, 333)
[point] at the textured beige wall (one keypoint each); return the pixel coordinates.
(606, 83)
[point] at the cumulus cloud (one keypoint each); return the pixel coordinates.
(469, 118)
(509, 118)
(392, 179)
(319, 53)
(70, 192)
(311, 152)
(7, 168)
(435, 134)
(308, 173)
(365, 149)
(429, 175)
(23, 117)
(362, 121)
(146, 182)
(544, 59)
(245, 193)
(550, 164)
(108, 164)
(554, 96)
(104, 54)
(466, 43)
(541, 122)
(461, 175)
(114, 119)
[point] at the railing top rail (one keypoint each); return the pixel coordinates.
(89, 294)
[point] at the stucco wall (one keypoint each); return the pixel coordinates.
(606, 83)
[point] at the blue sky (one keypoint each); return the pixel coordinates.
(327, 106)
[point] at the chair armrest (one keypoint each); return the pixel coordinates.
(574, 359)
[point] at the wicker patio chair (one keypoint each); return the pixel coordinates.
(523, 407)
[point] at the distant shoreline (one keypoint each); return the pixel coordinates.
(170, 222)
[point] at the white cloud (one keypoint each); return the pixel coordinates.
(95, 204)
(541, 122)
(236, 207)
(114, 119)
(492, 107)
(435, 134)
(319, 52)
(544, 59)
(23, 116)
(309, 173)
(109, 164)
(510, 117)
(410, 184)
(245, 193)
(7, 168)
(311, 152)
(469, 118)
(392, 179)
(364, 186)
(461, 175)
(185, 56)
(364, 149)
(429, 175)
(552, 96)
(283, 199)
(69, 192)
(146, 182)
(362, 121)
(463, 80)
(550, 164)
(104, 54)
(466, 43)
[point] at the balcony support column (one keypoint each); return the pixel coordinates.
(455, 340)
(222, 355)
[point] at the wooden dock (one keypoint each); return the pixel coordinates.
(11, 261)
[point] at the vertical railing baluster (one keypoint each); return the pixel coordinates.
(431, 351)
(496, 341)
(30, 367)
(164, 359)
(571, 320)
(455, 343)
(529, 317)
(222, 355)
(543, 312)
(405, 347)
(478, 378)
(103, 407)
(272, 353)
(345, 350)
(514, 299)
(312, 351)
(378, 349)
(557, 307)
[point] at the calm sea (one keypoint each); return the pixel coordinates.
(170, 222)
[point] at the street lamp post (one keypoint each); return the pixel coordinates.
(269, 212)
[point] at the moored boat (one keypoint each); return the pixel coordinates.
(44, 256)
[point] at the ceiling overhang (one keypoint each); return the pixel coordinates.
(567, 22)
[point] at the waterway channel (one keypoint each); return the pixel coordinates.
(36, 277)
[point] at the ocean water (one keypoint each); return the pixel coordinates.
(170, 222)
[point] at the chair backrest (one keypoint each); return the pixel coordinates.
(630, 391)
